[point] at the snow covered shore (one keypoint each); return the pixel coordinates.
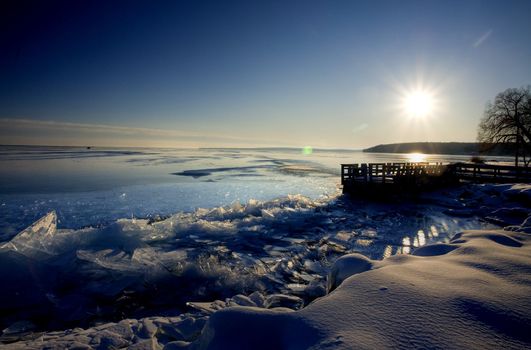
(471, 291)
(474, 293)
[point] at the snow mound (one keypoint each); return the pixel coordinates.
(497, 236)
(475, 295)
(346, 266)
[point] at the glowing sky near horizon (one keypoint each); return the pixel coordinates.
(288, 73)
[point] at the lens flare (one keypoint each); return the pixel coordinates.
(307, 150)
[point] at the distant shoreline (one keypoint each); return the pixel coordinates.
(448, 148)
(452, 148)
(97, 147)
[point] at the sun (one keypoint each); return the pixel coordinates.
(418, 103)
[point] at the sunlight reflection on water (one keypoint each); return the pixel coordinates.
(416, 157)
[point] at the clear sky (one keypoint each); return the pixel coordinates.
(270, 73)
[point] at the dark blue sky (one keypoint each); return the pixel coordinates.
(194, 73)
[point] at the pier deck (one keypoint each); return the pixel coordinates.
(396, 177)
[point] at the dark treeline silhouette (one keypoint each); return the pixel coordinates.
(455, 148)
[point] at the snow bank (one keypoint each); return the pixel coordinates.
(477, 295)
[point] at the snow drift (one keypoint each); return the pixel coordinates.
(477, 295)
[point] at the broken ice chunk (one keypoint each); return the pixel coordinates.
(282, 300)
(313, 266)
(18, 327)
(36, 240)
(258, 298)
(190, 327)
(208, 307)
(315, 289)
(112, 259)
(343, 236)
(241, 300)
(296, 288)
(267, 214)
(508, 216)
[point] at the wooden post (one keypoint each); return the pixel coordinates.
(342, 174)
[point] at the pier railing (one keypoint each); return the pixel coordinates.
(388, 172)
(410, 175)
(491, 173)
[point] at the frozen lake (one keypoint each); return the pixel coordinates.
(88, 187)
(220, 222)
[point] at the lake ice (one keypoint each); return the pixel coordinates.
(97, 186)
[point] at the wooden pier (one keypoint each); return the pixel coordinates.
(388, 178)
(491, 173)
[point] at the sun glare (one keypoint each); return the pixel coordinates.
(418, 104)
(416, 157)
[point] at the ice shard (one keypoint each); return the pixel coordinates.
(36, 240)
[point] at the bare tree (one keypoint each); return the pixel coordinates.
(508, 120)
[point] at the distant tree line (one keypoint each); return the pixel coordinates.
(452, 148)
